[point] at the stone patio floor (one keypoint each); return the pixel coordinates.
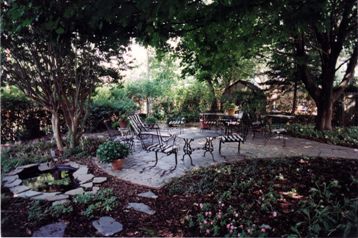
(137, 166)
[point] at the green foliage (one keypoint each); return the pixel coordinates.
(37, 212)
(90, 145)
(254, 196)
(151, 120)
(115, 98)
(60, 210)
(339, 136)
(323, 214)
(93, 204)
(229, 106)
(25, 154)
(111, 150)
(21, 119)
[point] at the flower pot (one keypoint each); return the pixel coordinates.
(231, 112)
(117, 164)
(123, 124)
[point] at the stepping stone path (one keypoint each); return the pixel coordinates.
(13, 183)
(86, 180)
(19, 189)
(148, 194)
(99, 179)
(51, 230)
(107, 226)
(10, 179)
(76, 191)
(141, 207)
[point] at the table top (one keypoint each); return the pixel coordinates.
(199, 135)
(280, 116)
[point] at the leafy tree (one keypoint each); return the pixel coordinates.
(318, 33)
(50, 63)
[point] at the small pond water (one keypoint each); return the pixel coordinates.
(59, 179)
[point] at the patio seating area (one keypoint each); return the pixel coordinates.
(138, 167)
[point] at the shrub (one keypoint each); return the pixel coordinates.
(17, 155)
(339, 136)
(151, 120)
(92, 204)
(60, 210)
(111, 150)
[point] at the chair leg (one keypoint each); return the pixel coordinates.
(220, 147)
(238, 147)
(156, 159)
(176, 161)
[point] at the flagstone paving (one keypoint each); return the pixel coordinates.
(137, 166)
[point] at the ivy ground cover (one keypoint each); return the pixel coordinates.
(277, 197)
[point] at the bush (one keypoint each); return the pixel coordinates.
(91, 204)
(111, 150)
(151, 120)
(17, 155)
(339, 136)
(21, 119)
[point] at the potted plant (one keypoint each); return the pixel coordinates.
(230, 108)
(123, 122)
(151, 121)
(113, 152)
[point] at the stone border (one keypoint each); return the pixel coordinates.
(89, 184)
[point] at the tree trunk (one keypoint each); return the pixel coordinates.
(73, 133)
(214, 103)
(55, 121)
(324, 115)
(294, 101)
(148, 106)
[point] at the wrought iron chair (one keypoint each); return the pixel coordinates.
(155, 141)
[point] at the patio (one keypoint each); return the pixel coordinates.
(137, 166)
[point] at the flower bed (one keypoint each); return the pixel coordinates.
(340, 136)
(298, 196)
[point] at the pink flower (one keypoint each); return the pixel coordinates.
(228, 226)
(274, 214)
(205, 222)
(263, 230)
(207, 231)
(201, 205)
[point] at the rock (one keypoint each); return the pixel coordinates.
(51, 230)
(107, 226)
(15, 171)
(10, 179)
(87, 185)
(99, 179)
(148, 194)
(94, 190)
(141, 207)
(76, 191)
(46, 166)
(83, 170)
(45, 196)
(73, 164)
(84, 178)
(27, 194)
(14, 183)
(19, 189)
(57, 197)
(60, 202)
(26, 166)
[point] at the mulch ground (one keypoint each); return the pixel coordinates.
(168, 220)
(14, 212)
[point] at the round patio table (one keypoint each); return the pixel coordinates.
(190, 137)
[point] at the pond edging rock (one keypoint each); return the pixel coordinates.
(86, 185)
